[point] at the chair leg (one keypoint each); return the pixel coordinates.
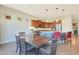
(20, 51)
(26, 52)
(16, 49)
(54, 53)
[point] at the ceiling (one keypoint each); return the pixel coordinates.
(49, 11)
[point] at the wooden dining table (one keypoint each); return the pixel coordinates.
(37, 41)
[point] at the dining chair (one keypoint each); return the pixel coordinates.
(17, 43)
(25, 48)
(63, 37)
(49, 49)
(69, 37)
(57, 36)
(22, 46)
(69, 34)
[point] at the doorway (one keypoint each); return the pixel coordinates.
(75, 28)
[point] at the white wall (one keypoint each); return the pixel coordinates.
(66, 23)
(8, 28)
(78, 27)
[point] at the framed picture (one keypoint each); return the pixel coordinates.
(7, 17)
(19, 18)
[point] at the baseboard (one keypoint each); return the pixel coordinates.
(7, 41)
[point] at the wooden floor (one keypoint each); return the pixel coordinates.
(64, 49)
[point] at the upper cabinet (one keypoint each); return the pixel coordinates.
(43, 24)
(36, 23)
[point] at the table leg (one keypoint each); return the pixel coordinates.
(37, 51)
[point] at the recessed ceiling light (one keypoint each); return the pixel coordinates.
(63, 9)
(57, 8)
(46, 9)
